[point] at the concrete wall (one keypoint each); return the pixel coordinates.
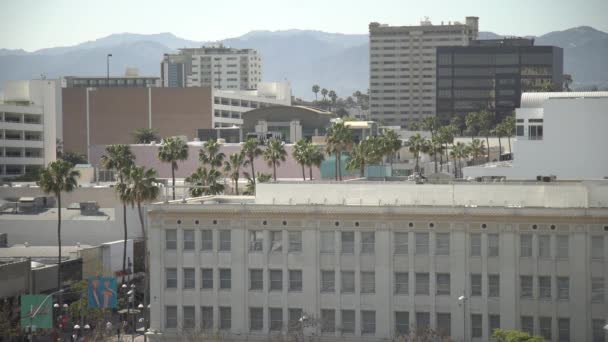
(15, 278)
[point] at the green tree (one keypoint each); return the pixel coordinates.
(210, 154)
(333, 96)
(171, 151)
(121, 159)
(431, 123)
(508, 128)
(317, 157)
(324, 92)
(366, 152)
(446, 137)
(476, 149)
(302, 154)
(459, 122)
(73, 157)
(315, 89)
(206, 182)
(472, 121)
(515, 336)
(59, 176)
(145, 135)
(459, 152)
(251, 150)
(275, 154)
(486, 123)
(391, 144)
(232, 167)
(418, 144)
(251, 183)
(338, 139)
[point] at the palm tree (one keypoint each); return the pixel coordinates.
(366, 152)
(171, 151)
(436, 148)
(333, 96)
(315, 89)
(417, 144)
(121, 159)
(145, 135)
(476, 149)
(459, 151)
(275, 154)
(324, 92)
(391, 144)
(59, 176)
(338, 139)
(498, 132)
(509, 128)
(317, 157)
(459, 123)
(251, 150)
(210, 154)
(446, 136)
(486, 120)
(302, 154)
(232, 167)
(472, 122)
(430, 123)
(207, 178)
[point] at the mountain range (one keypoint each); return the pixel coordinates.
(303, 57)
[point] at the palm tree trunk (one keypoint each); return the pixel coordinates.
(274, 170)
(488, 146)
(340, 166)
(417, 169)
(336, 166)
(173, 177)
(310, 172)
(362, 171)
(447, 157)
(124, 245)
(510, 151)
(303, 173)
(499, 148)
(236, 186)
(252, 171)
(59, 243)
(435, 157)
(146, 263)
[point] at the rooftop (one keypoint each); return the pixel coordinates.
(536, 100)
(44, 254)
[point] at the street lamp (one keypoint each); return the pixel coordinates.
(33, 312)
(108, 69)
(462, 300)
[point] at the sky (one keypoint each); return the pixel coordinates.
(36, 24)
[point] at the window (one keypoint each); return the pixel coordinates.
(562, 246)
(401, 243)
(348, 242)
(256, 241)
(327, 242)
(225, 279)
(368, 322)
(442, 244)
(493, 245)
(293, 323)
(563, 288)
(171, 277)
(295, 280)
(443, 284)
(563, 329)
(597, 247)
(493, 285)
(544, 246)
(401, 283)
(368, 282)
(422, 243)
(402, 323)
(256, 319)
(422, 283)
(545, 327)
(206, 240)
(597, 327)
(368, 242)
(225, 240)
(207, 278)
(535, 132)
(256, 280)
(328, 320)
(171, 239)
(328, 281)
(295, 241)
(188, 235)
(225, 318)
(348, 281)
(475, 245)
(527, 324)
(444, 324)
(276, 319)
(544, 287)
(475, 284)
(525, 242)
(276, 280)
(525, 286)
(519, 130)
(348, 321)
(171, 317)
(493, 323)
(476, 325)
(276, 241)
(423, 321)
(597, 290)
(207, 317)
(189, 320)
(189, 278)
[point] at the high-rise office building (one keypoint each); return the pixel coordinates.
(492, 74)
(212, 66)
(402, 67)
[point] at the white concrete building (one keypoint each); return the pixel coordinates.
(403, 67)
(371, 261)
(558, 134)
(30, 123)
(229, 105)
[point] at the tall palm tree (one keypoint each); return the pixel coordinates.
(210, 154)
(121, 159)
(59, 176)
(476, 149)
(251, 150)
(316, 158)
(436, 148)
(333, 97)
(145, 135)
(472, 121)
(391, 144)
(171, 151)
(207, 178)
(275, 154)
(459, 152)
(417, 144)
(446, 136)
(366, 152)
(302, 154)
(498, 132)
(509, 128)
(315, 89)
(232, 167)
(486, 121)
(324, 92)
(338, 139)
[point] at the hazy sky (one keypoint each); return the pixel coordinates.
(35, 24)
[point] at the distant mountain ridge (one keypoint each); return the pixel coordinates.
(304, 57)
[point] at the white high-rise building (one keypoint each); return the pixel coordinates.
(30, 123)
(403, 64)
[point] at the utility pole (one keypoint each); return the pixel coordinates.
(108, 69)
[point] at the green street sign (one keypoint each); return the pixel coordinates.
(43, 318)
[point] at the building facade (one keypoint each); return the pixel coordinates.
(30, 117)
(212, 66)
(492, 74)
(403, 67)
(371, 262)
(134, 81)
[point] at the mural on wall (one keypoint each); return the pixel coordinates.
(102, 293)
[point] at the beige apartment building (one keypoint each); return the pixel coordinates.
(367, 261)
(403, 67)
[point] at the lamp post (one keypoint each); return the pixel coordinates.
(108, 69)
(462, 300)
(33, 312)
(131, 302)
